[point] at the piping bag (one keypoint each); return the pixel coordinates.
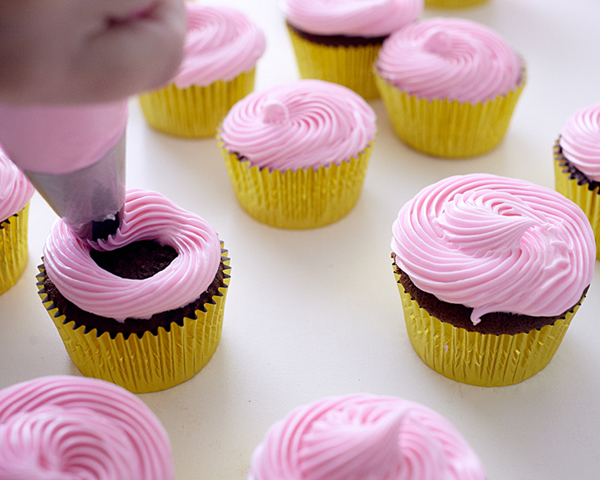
(75, 157)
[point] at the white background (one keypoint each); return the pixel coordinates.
(317, 313)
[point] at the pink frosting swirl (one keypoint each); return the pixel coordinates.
(580, 141)
(362, 436)
(15, 189)
(449, 58)
(308, 123)
(220, 44)
(497, 245)
(357, 18)
(73, 428)
(147, 216)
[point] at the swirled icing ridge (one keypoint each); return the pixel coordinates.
(580, 141)
(15, 189)
(220, 44)
(376, 18)
(147, 216)
(449, 58)
(73, 428)
(497, 245)
(308, 123)
(364, 436)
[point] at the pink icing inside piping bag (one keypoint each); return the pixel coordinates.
(60, 139)
(75, 157)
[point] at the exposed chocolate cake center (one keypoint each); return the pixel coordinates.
(138, 260)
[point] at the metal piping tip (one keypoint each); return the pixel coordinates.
(90, 200)
(103, 229)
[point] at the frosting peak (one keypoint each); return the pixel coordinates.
(580, 141)
(359, 437)
(344, 445)
(275, 112)
(370, 18)
(484, 222)
(438, 42)
(496, 245)
(449, 58)
(308, 123)
(220, 44)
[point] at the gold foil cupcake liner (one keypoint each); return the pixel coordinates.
(452, 3)
(304, 198)
(13, 248)
(194, 111)
(448, 128)
(588, 200)
(152, 362)
(485, 360)
(350, 66)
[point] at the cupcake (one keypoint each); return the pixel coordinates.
(490, 271)
(297, 153)
(364, 436)
(63, 427)
(338, 40)
(577, 164)
(452, 3)
(221, 49)
(144, 308)
(449, 86)
(15, 192)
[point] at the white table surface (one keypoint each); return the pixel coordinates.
(317, 313)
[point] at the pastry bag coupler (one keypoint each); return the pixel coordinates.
(75, 156)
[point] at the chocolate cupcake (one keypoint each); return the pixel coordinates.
(577, 164)
(143, 308)
(449, 86)
(222, 47)
(452, 3)
(490, 271)
(338, 42)
(297, 154)
(363, 436)
(15, 192)
(69, 427)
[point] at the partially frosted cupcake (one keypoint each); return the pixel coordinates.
(297, 154)
(338, 41)
(15, 192)
(221, 49)
(364, 436)
(491, 271)
(143, 309)
(63, 427)
(577, 164)
(449, 86)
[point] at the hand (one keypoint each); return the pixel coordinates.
(85, 51)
